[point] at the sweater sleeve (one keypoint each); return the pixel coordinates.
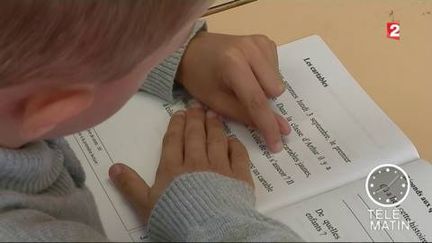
(29, 225)
(160, 81)
(205, 206)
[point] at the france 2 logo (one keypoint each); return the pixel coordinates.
(393, 30)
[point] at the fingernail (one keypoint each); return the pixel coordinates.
(281, 87)
(179, 113)
(115, 171)
(211, 114)
(277, 147)
(286, 129)
(194, 104)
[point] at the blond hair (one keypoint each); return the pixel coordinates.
(83, 40)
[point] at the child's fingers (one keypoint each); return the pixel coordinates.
(217, 144)
(284, 126)
(228, 104)
(173, 142)
(243, 82)
(195, 138)
(240, 161)
(264, 67)
(132, 187)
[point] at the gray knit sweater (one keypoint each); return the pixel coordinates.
(43, 196)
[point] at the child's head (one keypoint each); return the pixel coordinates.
(68, 65)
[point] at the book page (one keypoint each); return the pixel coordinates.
(133, 136)
(338, 135)
(348, 214)
(338, 132)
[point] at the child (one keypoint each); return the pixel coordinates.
(69, 65)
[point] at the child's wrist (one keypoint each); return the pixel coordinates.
(194, 198)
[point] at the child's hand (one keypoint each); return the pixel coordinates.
(194, 142)
(235, 76)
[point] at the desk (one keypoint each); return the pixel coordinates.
(396, 74)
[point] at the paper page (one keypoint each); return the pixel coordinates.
(133, 136)
(338, 132)
(348, 214)
(338, 135)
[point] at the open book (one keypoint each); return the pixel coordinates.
(316, 185)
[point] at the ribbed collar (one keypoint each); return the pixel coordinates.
(36, 166)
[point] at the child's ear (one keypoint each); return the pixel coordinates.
(44, 111)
